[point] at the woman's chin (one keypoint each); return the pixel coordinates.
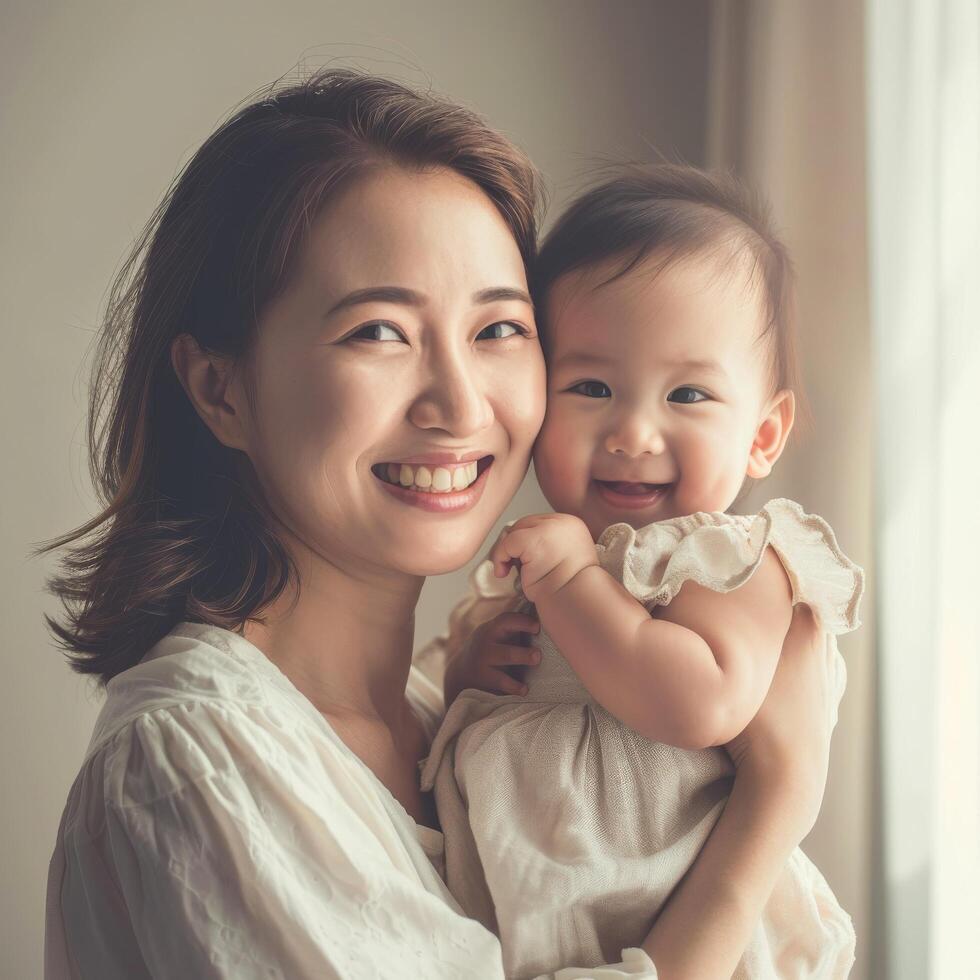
(441, 554)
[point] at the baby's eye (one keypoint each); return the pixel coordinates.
(501, 331)
(378, 330)
(592, 389)
(685, 395)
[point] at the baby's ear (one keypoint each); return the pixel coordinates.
(771, 435)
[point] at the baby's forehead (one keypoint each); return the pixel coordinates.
(660, 307)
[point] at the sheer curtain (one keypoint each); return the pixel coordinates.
(861, 122)
(923, 59)
(788, 114)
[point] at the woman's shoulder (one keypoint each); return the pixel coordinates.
(722, 551)
(193, 663)
(202, 703)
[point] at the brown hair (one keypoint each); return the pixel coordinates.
(183, 534)
(676, 211)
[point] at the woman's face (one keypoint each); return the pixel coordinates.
(401, 360)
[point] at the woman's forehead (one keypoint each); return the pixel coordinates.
(402, 228)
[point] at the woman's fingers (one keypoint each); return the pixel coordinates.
(503, 683)
(507, 654)
(512, 623)
(507, 640)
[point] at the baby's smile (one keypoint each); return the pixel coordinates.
(631, 496)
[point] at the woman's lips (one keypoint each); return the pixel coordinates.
(441, 502)
(627, 495)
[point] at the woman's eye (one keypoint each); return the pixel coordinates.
(592, 389)
(686, 395)
(377, 331)
(500, 331)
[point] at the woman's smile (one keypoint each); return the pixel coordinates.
(437, 482)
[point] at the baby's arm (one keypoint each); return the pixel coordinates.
(694, 675)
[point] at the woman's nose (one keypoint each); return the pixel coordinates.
(634, 434)
(454, 400)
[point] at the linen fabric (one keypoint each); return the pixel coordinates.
(220, 828)
(565, 831)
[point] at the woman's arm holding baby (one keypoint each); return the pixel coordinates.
(693, 676)
(780, 772)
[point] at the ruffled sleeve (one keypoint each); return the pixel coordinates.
(722, 551)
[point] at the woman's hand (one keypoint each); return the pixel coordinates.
(781, 763)
(548, 549)
(786, 747)
(492, 647)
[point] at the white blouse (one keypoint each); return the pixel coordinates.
(220, 828)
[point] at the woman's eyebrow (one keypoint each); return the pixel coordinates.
(495, 294)
(399, 295)
(402, 296)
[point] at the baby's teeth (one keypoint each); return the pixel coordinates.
(471, 471)
(461, 477)
(423, 478)
(441, 480)
(405, 476)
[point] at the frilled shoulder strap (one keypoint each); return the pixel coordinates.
(722, 551)
(485, 585)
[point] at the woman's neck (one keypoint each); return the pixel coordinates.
(346, 640)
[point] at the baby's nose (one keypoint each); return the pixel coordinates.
(634, 436)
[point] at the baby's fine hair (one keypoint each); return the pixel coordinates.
(673, 212)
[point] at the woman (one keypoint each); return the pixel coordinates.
(335, 286)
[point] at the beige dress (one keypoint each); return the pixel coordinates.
(565, 831)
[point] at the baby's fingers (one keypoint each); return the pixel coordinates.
(504, 553)
(511, 548)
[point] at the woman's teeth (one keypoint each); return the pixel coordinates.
(438, 479)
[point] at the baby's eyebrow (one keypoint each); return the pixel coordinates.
(707, 365)
(589, 359)
(580, 358)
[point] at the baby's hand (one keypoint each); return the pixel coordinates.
(492, 646)
(549, 549)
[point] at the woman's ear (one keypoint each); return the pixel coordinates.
(207, 380)
(771, 435)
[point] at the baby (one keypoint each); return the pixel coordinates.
(574, 803)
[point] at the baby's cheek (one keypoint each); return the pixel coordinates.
(711, 474)
(561, 465)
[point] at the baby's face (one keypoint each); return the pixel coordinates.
(657, 387)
